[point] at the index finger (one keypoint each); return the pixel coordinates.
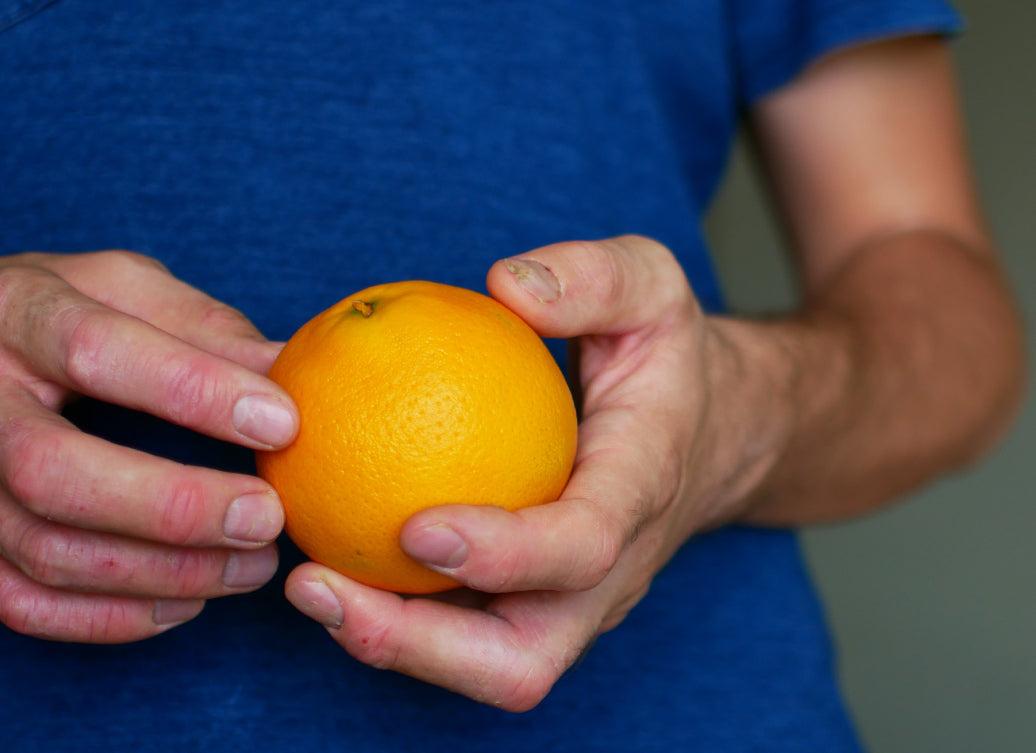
(74, 341)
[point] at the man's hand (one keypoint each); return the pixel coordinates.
(688, 422)
(903, 361)
(554, 576)
(102, 543)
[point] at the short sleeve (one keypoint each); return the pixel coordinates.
(776, 39)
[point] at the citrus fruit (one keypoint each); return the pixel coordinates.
(414, 394)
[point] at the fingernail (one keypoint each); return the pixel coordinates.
(316, 600)
(253, 518)
(535, 279)
(264, 419)
(175, 611)
(437, 545)
(250, 569)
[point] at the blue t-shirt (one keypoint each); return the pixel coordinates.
(281, 154)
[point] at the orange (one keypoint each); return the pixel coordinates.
(414, 394)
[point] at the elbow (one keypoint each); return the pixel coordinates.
(1001, 378)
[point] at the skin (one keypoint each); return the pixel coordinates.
(903, 361)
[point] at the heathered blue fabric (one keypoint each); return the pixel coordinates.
(281, 154)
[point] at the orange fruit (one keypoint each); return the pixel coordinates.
(414, 394)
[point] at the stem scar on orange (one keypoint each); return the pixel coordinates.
(414, 394)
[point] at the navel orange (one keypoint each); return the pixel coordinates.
(414, 394)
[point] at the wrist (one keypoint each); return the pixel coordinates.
(763, 389)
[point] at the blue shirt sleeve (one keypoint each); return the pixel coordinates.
(776, 39)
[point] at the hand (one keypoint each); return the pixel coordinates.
(546, 580)
(101, 543)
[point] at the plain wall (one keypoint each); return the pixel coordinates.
(933, 604)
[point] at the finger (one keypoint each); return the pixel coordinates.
(76, 342)
(73, 559)
(591, 287)
(62, 474)
(142, 287)
(630, 296)
(571, 544)
(508, 656)
(29, 608)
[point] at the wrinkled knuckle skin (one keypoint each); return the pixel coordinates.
(193, 393)
(606, 543)
(44, 555)
(373, 645)
(34, 463)
(9, 285)
(15, 280)
(85, 360)
(27, 298)
(526, 685)
(219, 317)
(600, 263)
(605, 555)
(504, 573)
(192, 575)
(183, 515)
(20, 607)
(104, 626)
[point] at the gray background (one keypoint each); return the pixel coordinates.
(933, 604)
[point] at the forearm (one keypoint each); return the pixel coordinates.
(907, 365)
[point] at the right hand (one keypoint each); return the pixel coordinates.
(101, 543)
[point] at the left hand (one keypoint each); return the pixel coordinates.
(547, 580)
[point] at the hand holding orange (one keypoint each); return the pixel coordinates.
(411, 395)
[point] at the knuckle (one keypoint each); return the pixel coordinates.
(373, 644)
(527, 684)
(608, 537)
(27, 296)
(600, 262)
(21, 606)
(600, 562)
(44, 554)
(107, 623)
(15, 277)
(183, 516)
(508, 571)
(219, 317)
(124, 261)
(10, 281)
(640, 266)
(192, 392)
(35, 463)
(89, 331)
(191, 575)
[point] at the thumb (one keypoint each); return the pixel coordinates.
(607, 287)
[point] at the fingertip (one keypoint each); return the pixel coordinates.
(169, 613)
(268, 421)
(530, 288)
(311, 595)
(533, 278)
(573, 288)
(480, 546)
(434, 544)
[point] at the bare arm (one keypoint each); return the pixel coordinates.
(906, 358)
